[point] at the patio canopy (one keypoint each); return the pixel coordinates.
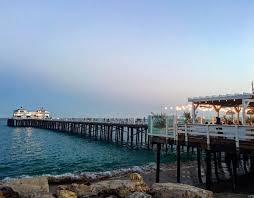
(237, 101)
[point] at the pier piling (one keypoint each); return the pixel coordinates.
(208, 169)
(199, 164)
(158, 163)
(178, 158)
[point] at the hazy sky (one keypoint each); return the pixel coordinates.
(122, 58)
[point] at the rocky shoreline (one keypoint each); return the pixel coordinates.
(135, 182)
(132, 187)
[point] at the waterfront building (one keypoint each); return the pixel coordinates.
(21, 113)
(41, 113)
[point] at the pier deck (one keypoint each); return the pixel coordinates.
(133, 133)
(235, 141)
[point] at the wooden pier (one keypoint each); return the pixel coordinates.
(133, 134)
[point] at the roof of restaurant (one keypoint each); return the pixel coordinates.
(20, 109)
(228, 100)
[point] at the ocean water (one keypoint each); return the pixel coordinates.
(31, 151)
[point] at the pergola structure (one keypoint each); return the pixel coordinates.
(240, 102)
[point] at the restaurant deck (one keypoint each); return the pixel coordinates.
(234, 140)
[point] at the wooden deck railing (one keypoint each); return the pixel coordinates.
(233, 133)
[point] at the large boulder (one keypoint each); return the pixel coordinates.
(66, 194)
(120, 188)
(140, 185)
(8, 192)
(27, 187)
(172, 190)
(136, 177)
(114, 187)
(79, 189)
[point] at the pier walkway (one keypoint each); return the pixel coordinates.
(131, 132)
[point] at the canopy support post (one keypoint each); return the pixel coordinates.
(245, 104)
(194, 108)
(217, 108)
(238, 109)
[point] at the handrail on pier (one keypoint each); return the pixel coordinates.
(128, 121)
(160, 127)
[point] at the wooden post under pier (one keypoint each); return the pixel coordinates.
(199, 164)
(208, 169)
(178, 159)
(158, 163)
(234, 171)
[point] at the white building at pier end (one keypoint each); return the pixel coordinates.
(23, 113)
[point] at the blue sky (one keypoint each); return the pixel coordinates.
(122, 58)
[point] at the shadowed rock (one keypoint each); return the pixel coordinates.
(68, 180)
(8, 192)
(171, 190)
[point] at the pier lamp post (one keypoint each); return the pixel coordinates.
(164, 110)
(178, 109)
(171, 111)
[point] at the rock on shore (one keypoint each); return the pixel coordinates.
(8, 192)
(117, 188)
(30, 187)
(172, 190)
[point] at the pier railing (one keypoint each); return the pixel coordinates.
(236, 133)
(165, 126)
(161, 126)
(130, 121)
